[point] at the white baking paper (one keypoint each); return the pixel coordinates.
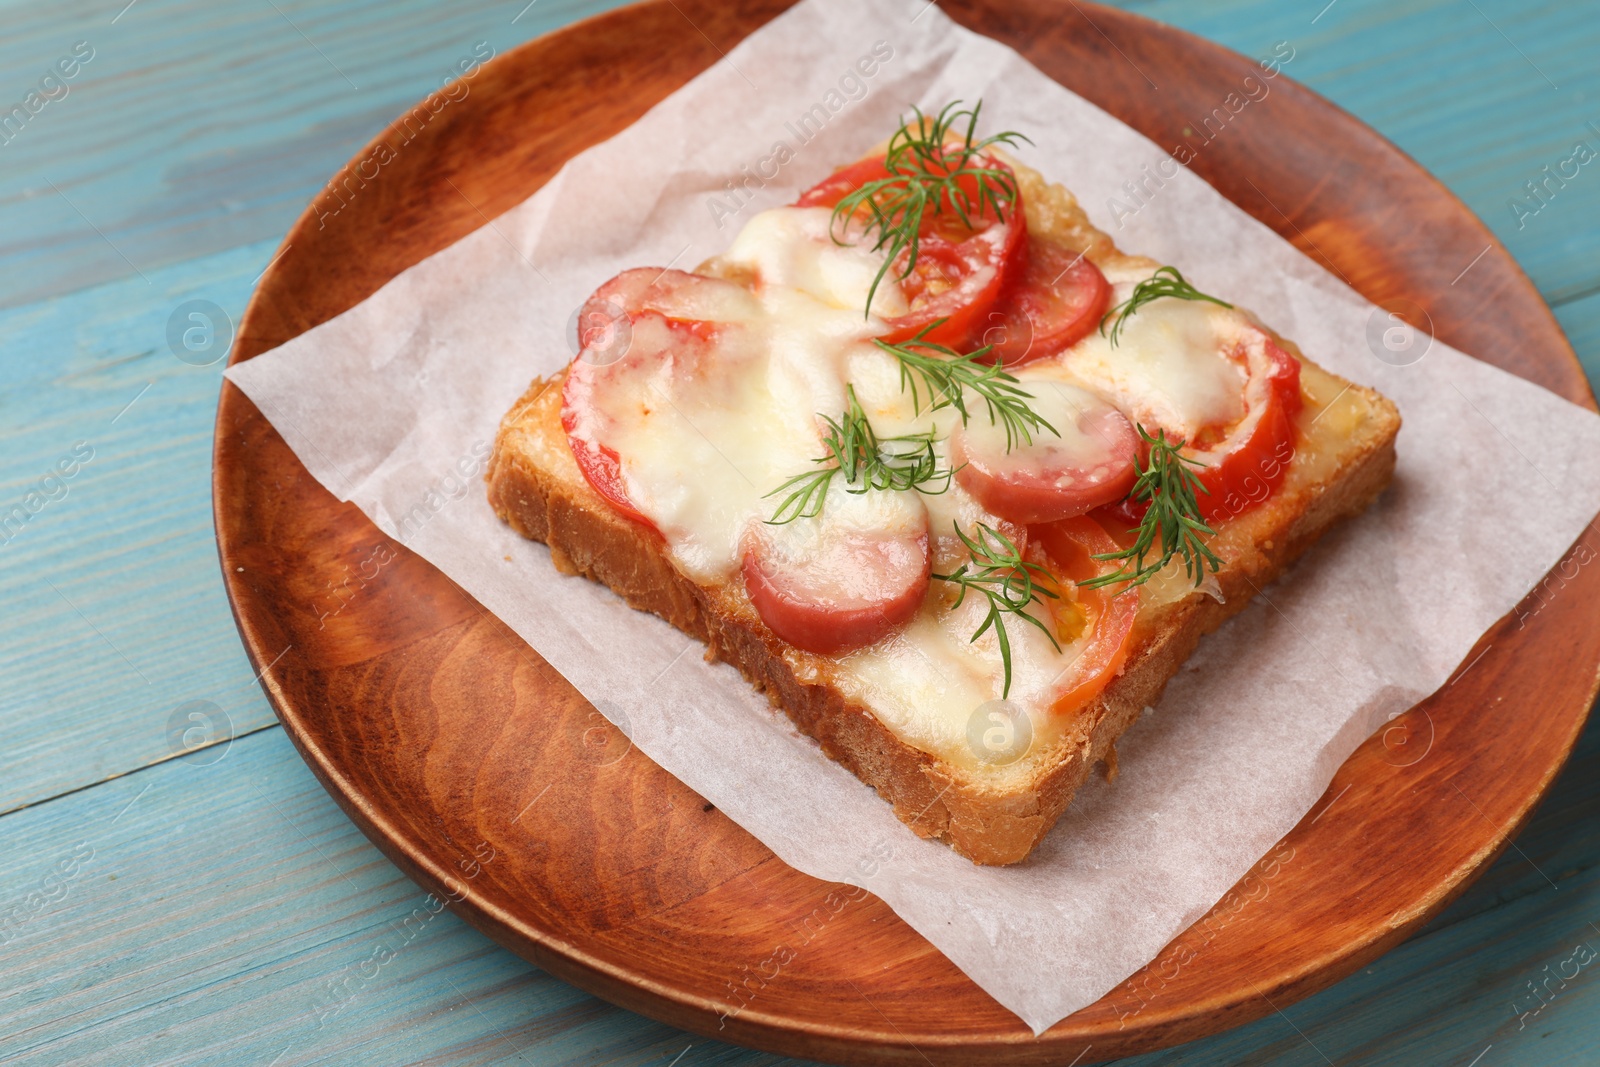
(387, 404)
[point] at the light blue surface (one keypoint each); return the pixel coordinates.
(211, 909)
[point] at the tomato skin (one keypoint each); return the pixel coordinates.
(979, 265)
(890, 580)
(600, 466)
(1090, 462)
(1252, 471)
(960, 272)
(608, 326)
(1070, 546)
(842, 182)
(1122, 513)
(1056, 300)
(1285, 378)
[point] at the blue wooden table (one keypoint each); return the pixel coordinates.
(167, 903)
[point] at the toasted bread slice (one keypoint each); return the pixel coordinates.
(1344, 458)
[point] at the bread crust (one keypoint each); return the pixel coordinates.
(534, 484)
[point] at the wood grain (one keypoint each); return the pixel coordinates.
(1482, 96)
(195, 129)
(616, 877)
(228, 912)
(151, 162)
(122, 614)
(223, 901)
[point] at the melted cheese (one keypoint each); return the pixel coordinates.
(932, 684)
(701, 447)
(793, 247)
(700, 453)
(1165, 370)
(1080, 450)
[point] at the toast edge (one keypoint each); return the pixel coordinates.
(534, 485)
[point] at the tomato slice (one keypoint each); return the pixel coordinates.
(830, 584)
(956, 282)
(1246, 467)
(631, 322)
(601, 466)
(1249, 465)
(1101, 618)
(1052, 477)
(960, 270)
(842, 182)
(1057, 299)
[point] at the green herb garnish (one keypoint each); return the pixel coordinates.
(866, 460)
(929, 173)
(1010, 583)
(1166, 281)
(947, 374)
(1168, 482)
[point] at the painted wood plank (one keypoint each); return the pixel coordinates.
(141, 152)
(1418, 1005)
(124, 619)
(1483, 94)
(203, 910)
(68, 368)
(197, 127)
(229, 912)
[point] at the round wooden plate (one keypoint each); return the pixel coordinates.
(481, 773)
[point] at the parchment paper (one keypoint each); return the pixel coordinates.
(393, 405)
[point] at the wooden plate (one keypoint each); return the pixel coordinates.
(435, 728)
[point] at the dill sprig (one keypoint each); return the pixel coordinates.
(1011, 584)
(1166, 281)
(1168, 482)
(928, 174)
(947, 375)
(866, 460)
